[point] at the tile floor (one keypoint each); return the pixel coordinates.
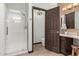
(39, 50)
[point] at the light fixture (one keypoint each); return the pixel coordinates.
(63, 9)
(39, 13)
(75, 4)
(69, 6)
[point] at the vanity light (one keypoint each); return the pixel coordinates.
(75, 4)
(63, 9)
(69, 6)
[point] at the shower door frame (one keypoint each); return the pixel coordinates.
(26, 27)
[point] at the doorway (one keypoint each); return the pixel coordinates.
(38, 27)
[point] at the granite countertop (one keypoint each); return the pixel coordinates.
(71, 33)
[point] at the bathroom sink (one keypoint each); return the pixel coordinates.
(72, 32)
(62, 31)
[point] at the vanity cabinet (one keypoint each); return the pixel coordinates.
(65, 45)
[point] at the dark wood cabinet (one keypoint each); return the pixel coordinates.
(52, 27)
(65, 44)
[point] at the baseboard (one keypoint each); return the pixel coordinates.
(16, 53)
(38, 43)
(30, 51)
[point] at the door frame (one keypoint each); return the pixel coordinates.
(37, 8)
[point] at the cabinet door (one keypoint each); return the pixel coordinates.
(52, 27)
(63, 45)
(66, 45)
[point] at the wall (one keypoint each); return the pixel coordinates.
(77, 19)
(40, 5)
(46, 6)
(76, 41)
(29, 27)
(2, 28)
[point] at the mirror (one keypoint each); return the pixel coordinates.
(77, 20)
(74, 23)
(70, 23)
(63, 22)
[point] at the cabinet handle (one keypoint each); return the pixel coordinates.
(7, 31)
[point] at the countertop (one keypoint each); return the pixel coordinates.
(70, 36)
(71, 33)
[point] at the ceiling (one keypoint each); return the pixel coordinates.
(45, 5)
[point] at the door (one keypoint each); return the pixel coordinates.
(39, 25)
(52, 27)
(15, 32)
